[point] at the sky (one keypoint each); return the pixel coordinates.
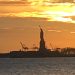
(20, 20)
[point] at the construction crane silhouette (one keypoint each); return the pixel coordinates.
(51, 47)
(24, 47)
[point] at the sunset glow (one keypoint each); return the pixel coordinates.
(53, 12)
(19, 18)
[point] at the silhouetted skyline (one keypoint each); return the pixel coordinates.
(41, 52)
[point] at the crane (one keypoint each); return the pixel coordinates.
(23, 46)
(51, 47)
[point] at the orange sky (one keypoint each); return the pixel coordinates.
(19, 22)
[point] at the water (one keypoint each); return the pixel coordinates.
(37, 66)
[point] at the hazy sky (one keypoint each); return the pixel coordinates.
(20, 20)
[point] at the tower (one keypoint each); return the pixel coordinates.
(42, 47)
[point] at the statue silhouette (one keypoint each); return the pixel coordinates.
(42, 47)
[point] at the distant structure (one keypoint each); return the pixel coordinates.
(40, 52)
(42, 47)
(24, 48)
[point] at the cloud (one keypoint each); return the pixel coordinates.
(37, 14)
(14, 2)
(54, 30)
(18, 23)
(56, 12)
(4, 28)
(72, 32)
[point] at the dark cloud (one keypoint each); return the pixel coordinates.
(31, 21)
(20, 21)
(14, 3)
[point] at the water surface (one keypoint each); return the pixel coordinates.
(37, 66)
